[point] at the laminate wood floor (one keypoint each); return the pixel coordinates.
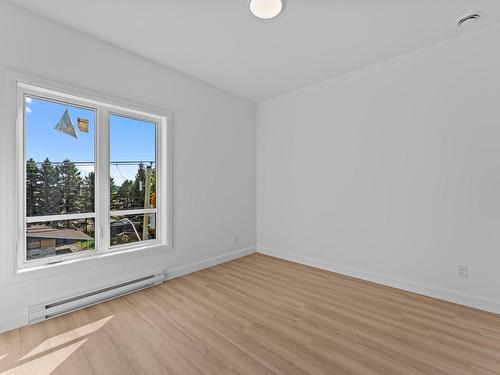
(260, 315)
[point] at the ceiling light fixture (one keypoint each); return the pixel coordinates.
(266, 9)
(468, 20)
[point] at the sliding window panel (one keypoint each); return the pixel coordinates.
(60, 157)
(59, 177)
(133, 180)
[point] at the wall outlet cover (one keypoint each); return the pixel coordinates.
(462, 271)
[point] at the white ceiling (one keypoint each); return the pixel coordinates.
(219, 42)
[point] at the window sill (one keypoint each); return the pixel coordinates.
(81, 263)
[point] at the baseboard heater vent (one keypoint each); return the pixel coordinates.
(50, 310)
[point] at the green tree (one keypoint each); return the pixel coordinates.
(69, 186)
(124, 196)
(48, 189)
(138, 187)
(88, 192)
(32, 188)
(113, 193)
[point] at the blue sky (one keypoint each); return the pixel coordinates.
(129, 139)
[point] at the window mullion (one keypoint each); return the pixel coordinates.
(133, 211)
(41, 219)
(102, 186)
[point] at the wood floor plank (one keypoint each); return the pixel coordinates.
(260, 315)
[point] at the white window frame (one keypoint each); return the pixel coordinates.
(104, 107)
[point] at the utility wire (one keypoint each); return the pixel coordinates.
(125, 162)
(121, 174)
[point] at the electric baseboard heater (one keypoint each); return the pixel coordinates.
(63, 306)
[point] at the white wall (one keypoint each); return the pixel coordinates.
(214, 154)
(391, 173)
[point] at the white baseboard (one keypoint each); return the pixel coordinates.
(461, 298)
(209, 262)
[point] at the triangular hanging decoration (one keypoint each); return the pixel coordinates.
(66, 126)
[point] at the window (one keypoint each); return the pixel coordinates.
(94, 177)
(133, 179)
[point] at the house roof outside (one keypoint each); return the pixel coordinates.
(44, 231)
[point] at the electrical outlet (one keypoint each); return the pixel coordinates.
(462, 271)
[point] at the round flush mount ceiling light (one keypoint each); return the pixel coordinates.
(266, 9)
(468, 20)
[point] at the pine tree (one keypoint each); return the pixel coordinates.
(113, 194)
(88, 193)
(32, 188)
(138, 187)
(69, 186)
(124, 196)
(48, 189)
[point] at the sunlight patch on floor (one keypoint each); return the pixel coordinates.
(63, 338)
(47, 363)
